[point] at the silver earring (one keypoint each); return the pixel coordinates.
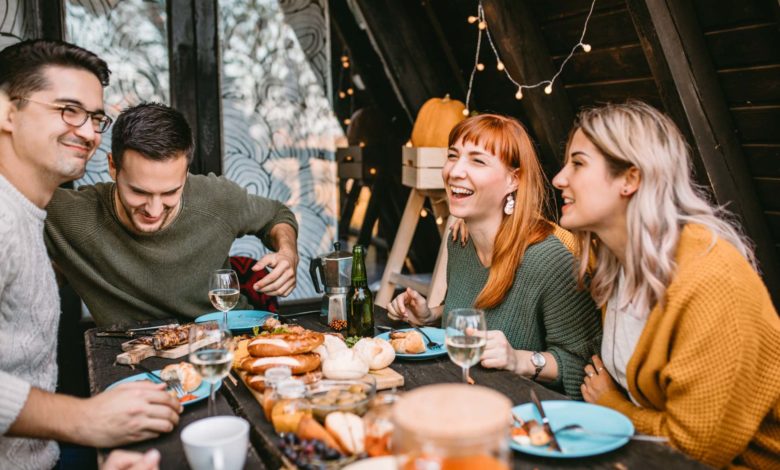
(509, 207)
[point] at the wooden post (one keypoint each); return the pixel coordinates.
(195, 79)
(683, 71)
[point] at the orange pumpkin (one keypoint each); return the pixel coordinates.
(435, 120)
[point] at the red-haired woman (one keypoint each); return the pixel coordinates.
(515, 265)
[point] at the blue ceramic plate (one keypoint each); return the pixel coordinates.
(201, 393)
(573, 443)
(239, 321)
(436, 334)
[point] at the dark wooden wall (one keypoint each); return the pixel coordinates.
(713, 66)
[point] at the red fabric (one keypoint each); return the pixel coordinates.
(242, 265)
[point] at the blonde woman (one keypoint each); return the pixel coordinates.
(514, 265)
(691, 346)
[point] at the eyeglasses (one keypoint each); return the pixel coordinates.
(75, 115)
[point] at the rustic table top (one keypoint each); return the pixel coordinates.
(263, 453)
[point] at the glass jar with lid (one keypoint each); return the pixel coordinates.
(290, 407)
(273, 377)
(452, 427)
(379, 424)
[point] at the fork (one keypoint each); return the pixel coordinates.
(635, 437)
(431, 343)
(173, 383)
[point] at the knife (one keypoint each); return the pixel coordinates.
(134, 332)
(545, 422)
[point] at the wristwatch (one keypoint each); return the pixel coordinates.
(539, 361)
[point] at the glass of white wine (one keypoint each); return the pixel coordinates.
(211, 353)
(464, 330)
(224, 291)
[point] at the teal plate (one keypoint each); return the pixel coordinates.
(239, 321)
(201, 393)
(436, 334)
(576, 444)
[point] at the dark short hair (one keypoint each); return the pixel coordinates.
(156, 131)
(22, 64)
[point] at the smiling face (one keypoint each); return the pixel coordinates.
(594, 200)
(41, 138)
(148, 192)
(477, 182)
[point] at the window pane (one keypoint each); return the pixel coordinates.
(279, 130)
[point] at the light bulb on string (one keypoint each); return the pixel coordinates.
(344, 58)
(519, 94)
(342, 95)
(345, 65)
(586, 47)
(472, 19)
(465, 112)
(423, 212)
(350, 91)
(500, 65)
(482, 25)
(480, 67)
(548, 89)
(347, 121)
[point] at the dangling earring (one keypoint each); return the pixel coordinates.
(509, 207)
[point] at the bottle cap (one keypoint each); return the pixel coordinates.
(291, 388)
(274, 375)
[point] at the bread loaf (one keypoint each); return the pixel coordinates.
(348, 430)
(376, 351)
(298, 363)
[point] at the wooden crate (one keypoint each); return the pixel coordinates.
(422, 167)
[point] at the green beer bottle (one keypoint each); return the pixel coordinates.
(360, 319)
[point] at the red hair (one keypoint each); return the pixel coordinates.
(508, 139)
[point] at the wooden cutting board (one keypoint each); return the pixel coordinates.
(135, 352)
(387, 378)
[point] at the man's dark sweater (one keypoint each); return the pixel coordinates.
(124, 276)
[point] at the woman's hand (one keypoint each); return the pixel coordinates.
(499, 353)
(597, 381)
(410, 307)
(459, 229)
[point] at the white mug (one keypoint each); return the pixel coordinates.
(217, 443)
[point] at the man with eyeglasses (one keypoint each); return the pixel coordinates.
(50, 126)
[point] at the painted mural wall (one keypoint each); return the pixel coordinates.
(279, 130)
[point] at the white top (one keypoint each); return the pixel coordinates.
(29, 317)
(623, 324)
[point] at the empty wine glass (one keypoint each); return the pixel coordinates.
(465, 330)
(224, 291)
(211, 353)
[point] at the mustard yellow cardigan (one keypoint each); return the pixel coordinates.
(706, 368)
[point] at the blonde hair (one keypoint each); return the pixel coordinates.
(637, 135)
(507, 139)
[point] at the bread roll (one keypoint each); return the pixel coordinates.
(345, 365)
(407, 342)
(285, 344)
(348, 430)
(298, 363)
(184, 371)
(331, 345)
(376, 351)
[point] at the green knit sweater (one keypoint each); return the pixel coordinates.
(543, 310)
(124, 276)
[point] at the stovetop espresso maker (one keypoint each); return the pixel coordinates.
(335, 273)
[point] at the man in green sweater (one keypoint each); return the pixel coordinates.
(143, 246)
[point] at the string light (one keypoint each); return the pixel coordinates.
(342, 95)
(478, 66)
(423, 212)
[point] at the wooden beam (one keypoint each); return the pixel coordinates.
(406, 43)
(683, 71)
(195, 79)
(524, 53)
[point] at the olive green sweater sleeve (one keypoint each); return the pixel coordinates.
(543, 310)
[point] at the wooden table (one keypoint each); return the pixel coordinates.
(237, 400)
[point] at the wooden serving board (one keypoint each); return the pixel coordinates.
(135, 352)
(387, 378)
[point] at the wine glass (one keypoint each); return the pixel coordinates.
(211, 353)
(465, 337)
(224, 291)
